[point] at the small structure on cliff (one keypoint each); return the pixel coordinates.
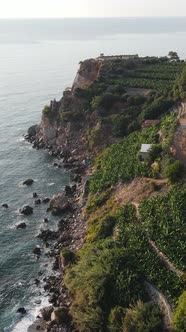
(118, 57)
(145, 148)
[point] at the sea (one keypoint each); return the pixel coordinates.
(38, 60)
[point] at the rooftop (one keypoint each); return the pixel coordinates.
(145, 147)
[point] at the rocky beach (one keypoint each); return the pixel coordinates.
(71, 154)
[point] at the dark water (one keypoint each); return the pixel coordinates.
(38, 59)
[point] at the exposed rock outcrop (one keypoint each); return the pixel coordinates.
(28, 182)
(26, 210)
(59, 203)
(88, 72)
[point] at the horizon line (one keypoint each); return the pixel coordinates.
(88, 17)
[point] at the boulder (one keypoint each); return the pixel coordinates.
(37, 250)
(68, 191)
(28, 182)
(61, 225)
(5, 205)
(56, 265)
(47, 234)
(75, 178)
(45, 220)
(22, 225)
(37, 201)
(35, 195)
(26, 210)
(46, 200)
(22, 311)
(66, 236)
(60, 315)
(59, 204)
(46, 313)
(38, 325)
(33, 130)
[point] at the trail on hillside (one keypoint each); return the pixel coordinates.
(170, 266)
(159, 299)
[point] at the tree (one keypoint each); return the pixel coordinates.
(173, 56)
(143, 318)
(174, 172)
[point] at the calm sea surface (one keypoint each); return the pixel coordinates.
(38, 59)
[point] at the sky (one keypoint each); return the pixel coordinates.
(90, 8)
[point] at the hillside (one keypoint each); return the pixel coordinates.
(128, 272)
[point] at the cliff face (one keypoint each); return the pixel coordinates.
(88, 72)
(64, 124)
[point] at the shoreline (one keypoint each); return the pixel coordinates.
(70, 236)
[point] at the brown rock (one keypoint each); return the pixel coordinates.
(60, 315)
(59, 203)
(46, 313)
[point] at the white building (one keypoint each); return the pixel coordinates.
(145, 148)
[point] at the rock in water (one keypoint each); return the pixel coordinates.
(28, 182)
(35, 195)
(22, 225)
(26, 210)
(33, 130)
(37, 201)
(37, 250)
(59, 203)
(46, 200)
(22, 311)
(5, 206)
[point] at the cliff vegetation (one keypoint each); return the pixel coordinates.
(130, 274)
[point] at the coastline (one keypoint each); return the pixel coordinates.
(70, 236)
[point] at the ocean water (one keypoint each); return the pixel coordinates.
(38, 59)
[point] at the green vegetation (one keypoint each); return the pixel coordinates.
(121, 162)
(110, 95)
(164, 218)
(46, 111)
(179, 89)
(107, 277)
(180, 314)
(174, 171)
(143, 318)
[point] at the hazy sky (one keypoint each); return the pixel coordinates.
(79, 8)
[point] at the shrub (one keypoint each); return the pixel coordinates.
(120, 125)
(95, 136)
(68, 257)
(154, 153)
(105, 101)
(46, 110)
(101, 228)
(143, 318)
(174, 171)
(96, 102)
(180, 314)
(116, 319)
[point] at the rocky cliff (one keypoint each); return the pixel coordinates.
(66, 124)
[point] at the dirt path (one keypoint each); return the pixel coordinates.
(158, 298)
(166, 261)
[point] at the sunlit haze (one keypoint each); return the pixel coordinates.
(87, 8)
